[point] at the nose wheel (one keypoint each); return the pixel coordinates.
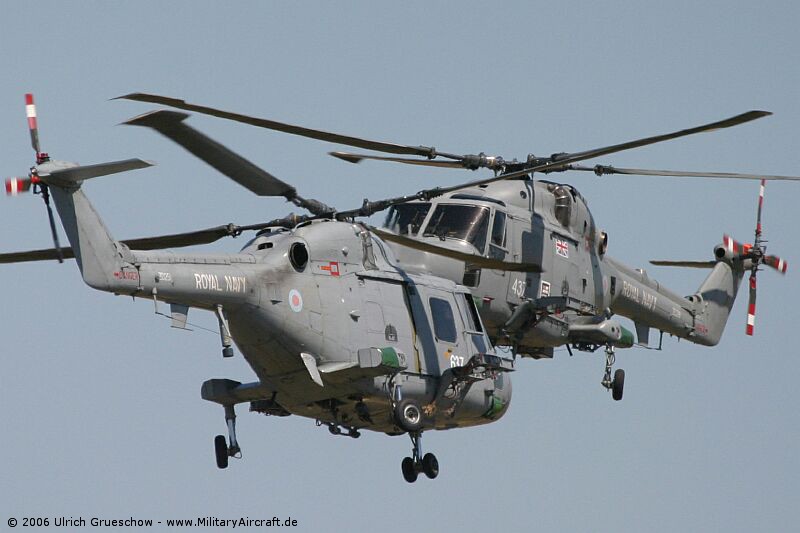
(617, 384)
(417, 463)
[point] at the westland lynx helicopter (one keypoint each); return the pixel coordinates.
(570, 296)
(335, 328)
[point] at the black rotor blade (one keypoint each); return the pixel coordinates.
(720, 124)
(477, 260)
(367, 144)
(563, 161)
(687, 264)
(601, 170)
(48, 254)
(171, 125)
(357, 158)
(53, 231)
(160, 242)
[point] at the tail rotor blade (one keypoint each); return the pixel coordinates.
(46, 196)
(760, 206)
(30, 112)
(15, 186)
(751, 306)
(735, 247)
(777, 263)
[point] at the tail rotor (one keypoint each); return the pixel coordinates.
(15, 186)
(757, 254)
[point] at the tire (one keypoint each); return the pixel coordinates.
(618, 384)
(408, 415)
(430, 465)
(409, 470)
(221, 451)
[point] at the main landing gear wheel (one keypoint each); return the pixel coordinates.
(409, 469)
(618, 384)
(415, 464)
(430, 465)
(221, 451)
(408, 415)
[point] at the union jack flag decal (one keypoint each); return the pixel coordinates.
(562, 248)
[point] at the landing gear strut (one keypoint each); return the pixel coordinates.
(412, 466)
(222, 449)
(617, 384)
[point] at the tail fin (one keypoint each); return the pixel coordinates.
(714, 300)
(96, 252)
(98, 255)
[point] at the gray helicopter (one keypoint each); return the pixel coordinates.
(333, 328)
(565, 289)
(337, 329)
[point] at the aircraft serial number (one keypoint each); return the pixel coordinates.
(456, 360)
(518, 288)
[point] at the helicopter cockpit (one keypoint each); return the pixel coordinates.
(469, 223)
(406, 219)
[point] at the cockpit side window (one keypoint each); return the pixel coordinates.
(499, 229)
(405, 219)
(444, 324)
(468, 223)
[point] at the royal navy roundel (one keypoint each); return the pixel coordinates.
(295, 300)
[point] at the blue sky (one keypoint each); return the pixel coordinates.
(99, 398)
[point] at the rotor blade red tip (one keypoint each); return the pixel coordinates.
(14, 186)
(777, 263)
(30, 112)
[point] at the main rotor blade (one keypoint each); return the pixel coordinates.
(160, 242)
(687, 264)
(357, 158)
(563, 160)
(478, 260)
(367, 144)
(601, 170)
(171, 125)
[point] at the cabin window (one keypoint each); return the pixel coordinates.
(499, 229)
(563, 205)
(444, 325)
(405, 219)
(472, 318)
(468, 223)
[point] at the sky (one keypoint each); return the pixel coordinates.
(100, 400)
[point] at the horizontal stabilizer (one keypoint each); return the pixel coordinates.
(72, 175)
(686, 264)
(478, 260)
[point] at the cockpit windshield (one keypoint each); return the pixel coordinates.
(405, 219)
(465, 222)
